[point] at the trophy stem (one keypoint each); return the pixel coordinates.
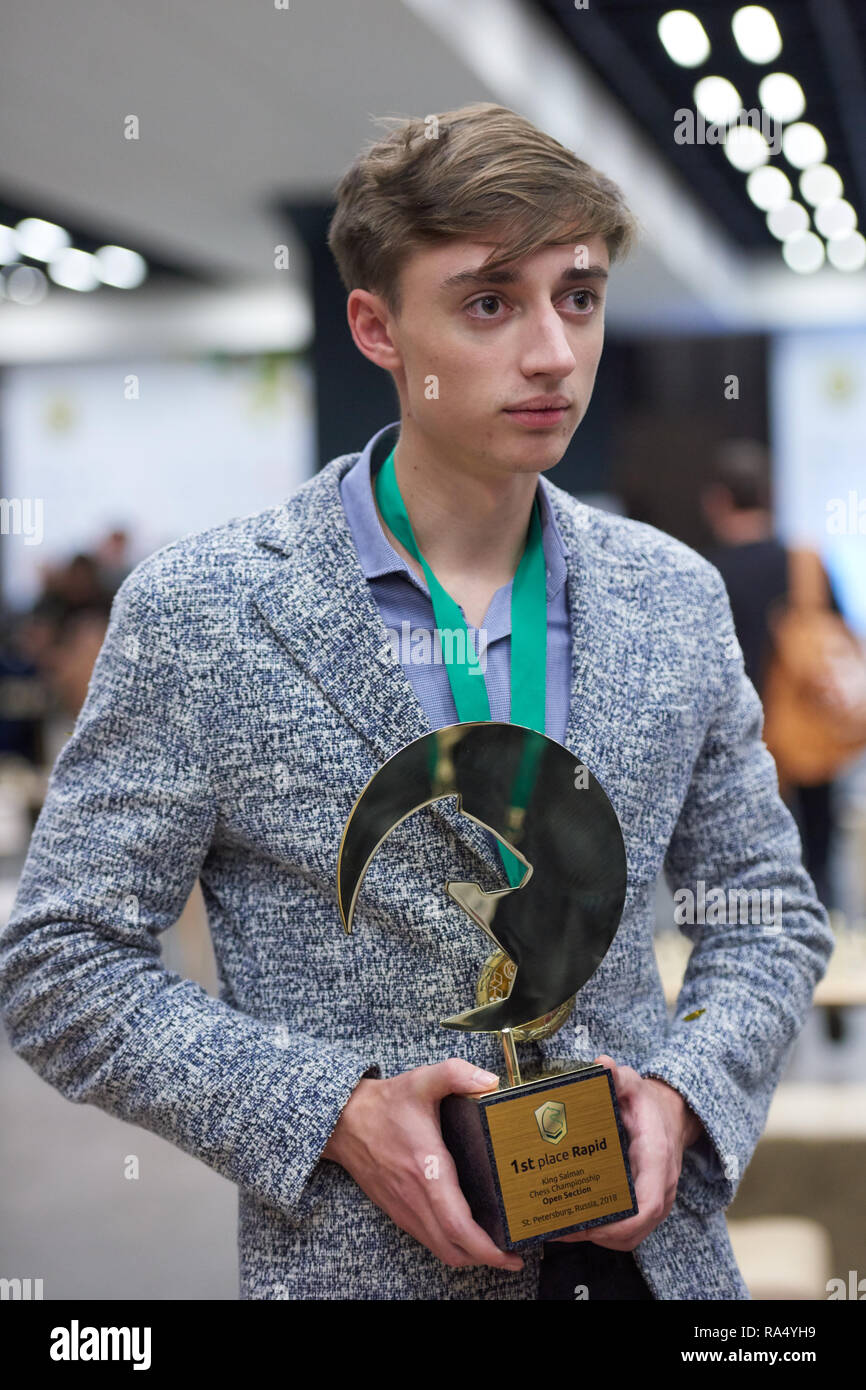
(512, 1066)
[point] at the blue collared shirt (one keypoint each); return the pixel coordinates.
(407, 609)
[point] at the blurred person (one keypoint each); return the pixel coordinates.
(243, 697)
(71, 659)
(79, 582)
(67, 587)
(112, 557)
(59, 639)
(20, 695)
(36, 631)
(754, 565)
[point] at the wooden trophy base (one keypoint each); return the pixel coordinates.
(539, 1160)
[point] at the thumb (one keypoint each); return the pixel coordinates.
(456, 1076)
(605, 1061)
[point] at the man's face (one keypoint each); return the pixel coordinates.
(469, 350)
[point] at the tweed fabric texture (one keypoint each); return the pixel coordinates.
(242, 698)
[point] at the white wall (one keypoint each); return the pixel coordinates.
(204, 441)
(818, 405)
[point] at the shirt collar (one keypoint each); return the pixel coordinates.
(375, 551)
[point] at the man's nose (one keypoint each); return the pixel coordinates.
(546, 348)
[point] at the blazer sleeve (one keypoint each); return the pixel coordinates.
(752, 974)
(126, 824)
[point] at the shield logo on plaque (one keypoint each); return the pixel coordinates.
(551, 1121)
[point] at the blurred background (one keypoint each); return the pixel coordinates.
(174, 352)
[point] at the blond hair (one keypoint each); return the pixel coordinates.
(480, 169)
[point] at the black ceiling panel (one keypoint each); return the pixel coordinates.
(823, 47)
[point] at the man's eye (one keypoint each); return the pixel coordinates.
(591, 297)
(485, 299)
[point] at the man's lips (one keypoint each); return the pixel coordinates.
(537, 416)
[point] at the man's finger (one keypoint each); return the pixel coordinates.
(453, 1217)
(455, 1076)
(626, 1080)
(603, 1060)
(648, 1170)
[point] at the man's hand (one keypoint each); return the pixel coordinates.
(659, 1125)
(388, 1138)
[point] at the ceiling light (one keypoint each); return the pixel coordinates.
(787, 220)
(820, 184)
(803, 144)
(40, 240)
(768, 187)
(847, 252)
(117, 266)
(835, 219)
(75, 270)
(757, 34)
(803, 252)
(718, 100)
(781, 96)
(8, 245)
(23, 284)
(684, 38)
(746, 147)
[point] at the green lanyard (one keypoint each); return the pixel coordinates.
(528, 630)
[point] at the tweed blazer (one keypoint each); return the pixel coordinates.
(244, 694)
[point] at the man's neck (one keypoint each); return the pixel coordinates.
(470, 525)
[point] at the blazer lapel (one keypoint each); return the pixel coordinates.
(599, 583)
(320, 607)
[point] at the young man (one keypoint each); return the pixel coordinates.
(246, 692)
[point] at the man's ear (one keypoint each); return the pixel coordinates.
(370, 323)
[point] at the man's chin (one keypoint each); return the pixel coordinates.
(543, 448)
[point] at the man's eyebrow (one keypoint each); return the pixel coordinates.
(512, 277)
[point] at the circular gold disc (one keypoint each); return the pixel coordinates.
(495, 981)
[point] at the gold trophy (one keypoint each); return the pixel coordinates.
(542, 1157)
